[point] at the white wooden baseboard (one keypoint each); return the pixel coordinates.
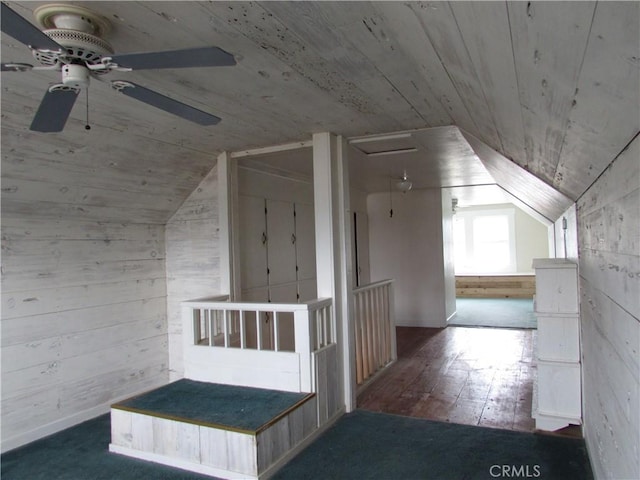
(67, 422)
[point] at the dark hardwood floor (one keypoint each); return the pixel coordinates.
(473, 376)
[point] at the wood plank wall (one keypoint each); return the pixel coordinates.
(193, 259)
(83, 318)
(609, 240)
(500, 286)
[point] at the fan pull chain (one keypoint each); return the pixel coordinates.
(87, 126)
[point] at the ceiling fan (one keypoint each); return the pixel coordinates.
(72, 43)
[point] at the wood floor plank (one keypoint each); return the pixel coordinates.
(473, 376)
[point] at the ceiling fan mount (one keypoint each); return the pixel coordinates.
(79, 30)
(72, 42)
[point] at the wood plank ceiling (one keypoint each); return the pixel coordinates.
(552, 87)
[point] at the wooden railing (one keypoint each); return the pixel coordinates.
(255, 344)
(375, 333)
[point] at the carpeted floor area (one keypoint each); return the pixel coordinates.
(362, 445)
(82, 453)
(494, 312)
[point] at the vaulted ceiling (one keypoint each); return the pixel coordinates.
(546, 94)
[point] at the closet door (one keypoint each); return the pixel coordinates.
(253, 242)
(281, 251)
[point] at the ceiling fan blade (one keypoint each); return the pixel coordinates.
(15, 67)
(54, 111)
(165, 103)
(190, 57)
(24, 31)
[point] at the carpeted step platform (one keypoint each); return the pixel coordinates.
(229, 407)
(223, 430)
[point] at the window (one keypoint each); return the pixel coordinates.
(484, 241)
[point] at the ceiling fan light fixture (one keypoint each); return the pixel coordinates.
(404, 185)
(76, 76)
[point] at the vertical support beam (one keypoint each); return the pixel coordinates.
(333, 248)
(227, 221)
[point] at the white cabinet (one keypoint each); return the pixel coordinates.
(557, 395)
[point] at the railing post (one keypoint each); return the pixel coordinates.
(302, 327)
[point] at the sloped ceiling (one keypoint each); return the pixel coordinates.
(552, 87)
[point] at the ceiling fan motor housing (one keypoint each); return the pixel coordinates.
(75, 28)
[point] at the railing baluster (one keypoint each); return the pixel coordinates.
(379, 341)
(243, 340)
(326, 326)
(210, 326)
(358, 337)
(258, 330)
(225, 327)
(276, 333)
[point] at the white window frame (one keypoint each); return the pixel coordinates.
(468, 216)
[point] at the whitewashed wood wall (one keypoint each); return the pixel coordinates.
(193, 259)
(408, 248)
(564, 243)
(83, 319)
(609, 239)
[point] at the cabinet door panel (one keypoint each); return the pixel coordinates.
(305, 241)
(281, 248)
(253, 248)
(308, 290)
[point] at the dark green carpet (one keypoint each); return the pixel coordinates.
(362, 445)
(242, 408)
(367, 445)
(495, 312)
